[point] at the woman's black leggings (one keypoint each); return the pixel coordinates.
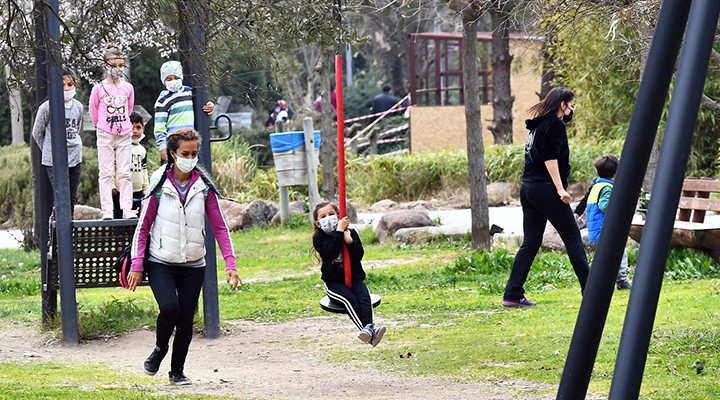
(541, 203)
(356, 300)
(176, 291)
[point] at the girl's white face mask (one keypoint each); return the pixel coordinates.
(174, 85)
(329, 224)
(69, 94)
(186, 164)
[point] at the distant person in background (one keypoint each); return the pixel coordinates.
(384, 101)
(281, 113)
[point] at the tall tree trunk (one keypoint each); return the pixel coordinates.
(328, 137)
(479, 212)
(15, 102)
(548, 66)
(502, 123)
(647, 28)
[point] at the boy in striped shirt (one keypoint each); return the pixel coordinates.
(174, 105)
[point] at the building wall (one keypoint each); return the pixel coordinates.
(443, 127)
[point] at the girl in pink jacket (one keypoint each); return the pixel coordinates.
(111, 102)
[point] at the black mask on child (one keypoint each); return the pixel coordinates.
(568, 118)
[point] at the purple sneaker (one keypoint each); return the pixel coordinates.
(523, 302)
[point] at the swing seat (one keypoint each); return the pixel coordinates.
(333, 306)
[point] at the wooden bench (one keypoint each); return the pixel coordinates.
(96, 246)
(690, 229)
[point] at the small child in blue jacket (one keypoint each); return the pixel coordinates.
(330, 234)
(597, 202)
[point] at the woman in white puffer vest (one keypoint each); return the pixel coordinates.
(173, 220)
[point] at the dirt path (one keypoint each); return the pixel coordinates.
(263, 361)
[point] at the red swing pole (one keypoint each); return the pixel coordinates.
(341, 160)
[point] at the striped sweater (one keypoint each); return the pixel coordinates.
(173, 111)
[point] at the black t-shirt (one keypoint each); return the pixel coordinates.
(547, 140)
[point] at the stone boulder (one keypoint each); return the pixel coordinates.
(351, 212)
(427, 234)
(232, 211)
(384, 205)
(394, 220)
(576, 191)
(257, 214)
(500, 194)
(86, 212)
(296, 207)
(552, 240)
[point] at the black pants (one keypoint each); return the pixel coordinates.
(356, 300)
(74, 174)
(541, 203)
(176, 290)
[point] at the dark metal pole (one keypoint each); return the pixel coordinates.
(636, 153)
(193, 22)
(63, 218)
(654, 246)
(42, 195)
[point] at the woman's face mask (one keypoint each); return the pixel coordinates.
(185, 164)
(174, 85)
(568, 118)
(329, 224)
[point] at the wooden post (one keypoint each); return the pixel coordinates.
(284, 192)
(313, 194)
(373, 149)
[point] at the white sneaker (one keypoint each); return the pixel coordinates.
(366, 333)
(107, 216)
(129, 215)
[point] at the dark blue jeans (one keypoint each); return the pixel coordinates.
(74, 178)
(176, 290)
(541, 203)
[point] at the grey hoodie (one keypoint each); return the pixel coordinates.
(73, 121)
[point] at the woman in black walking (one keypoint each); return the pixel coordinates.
(542, 193)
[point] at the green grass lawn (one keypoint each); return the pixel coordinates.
(441, 305)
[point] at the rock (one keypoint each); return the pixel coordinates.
(86, 212)
(394, 220)
(384, 205)
(296, 207)
(576, 191)
(232, 211)
(551, 239)
(410, 205)
(257, 214)
(507, 240)
(500, 194)
(429, 234)
(299, 207)
(351, 212)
